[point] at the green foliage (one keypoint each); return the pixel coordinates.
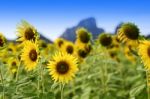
(99, 77)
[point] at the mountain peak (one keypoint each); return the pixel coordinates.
(88, 23)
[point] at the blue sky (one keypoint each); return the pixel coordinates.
(52, 17)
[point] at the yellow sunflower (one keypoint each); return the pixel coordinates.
(144, 52)
(13, 65)
(59, 42)
(27, 32)
(12, 48)
(30, 55)
(62, 67)
(82, 53)
(2, 41)
(129, 55)
(105, 39)
(114, 55)
(69, 48)
(128, 32)
(83, 36)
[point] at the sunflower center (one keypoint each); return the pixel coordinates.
(33, 55)
(132, 33)
(148, 51)
(112, 54)
(29, 34)
(1, 42)
(84, 37)
(82, 53)
(14, 64)
(105, 40)
(62, 67)
(69, 49)
(60, 43)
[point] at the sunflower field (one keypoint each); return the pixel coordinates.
(113, 66)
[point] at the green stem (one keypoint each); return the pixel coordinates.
(39, 80)
(17, 75)
(148, 89)
(62, 91)
(42, 76)
(2, 80)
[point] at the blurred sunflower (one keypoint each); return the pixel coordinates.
(30, 55)
(129, 55)
(83, 36)
(62, 67)
(82, 53)
(2, 41)
(69, 48)
(144, 52)
(114, 55)
(13, 65)
(105, 39)
(128, 32)
(27, 32)
(59, 42)
(12, 48)
(42, 44)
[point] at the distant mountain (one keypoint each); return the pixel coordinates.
(89, 24)
(45, 38)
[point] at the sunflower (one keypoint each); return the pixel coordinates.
(114, 55)
(27, 32)
(12, 48)
(59, 42)
(82, 53)
(13, 65)
(144, 52)
(83, 36)
(63, 67)
(129, 55)
(2, 41)
(69, 48)
(30, 55)
(105, 39)
(128, 32)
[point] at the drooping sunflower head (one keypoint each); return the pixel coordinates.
(144, 53)
(59, 42)
(105, 39)
(2, 41)
(30, 55)
(27, 32)
(69, 47)
(128, 31)
(63, 67)
(83, 35)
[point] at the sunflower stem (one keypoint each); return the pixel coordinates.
(2, 81)
(148, 89)
(17, 75)
(39, 81)
(61, 89)
(41, 73)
